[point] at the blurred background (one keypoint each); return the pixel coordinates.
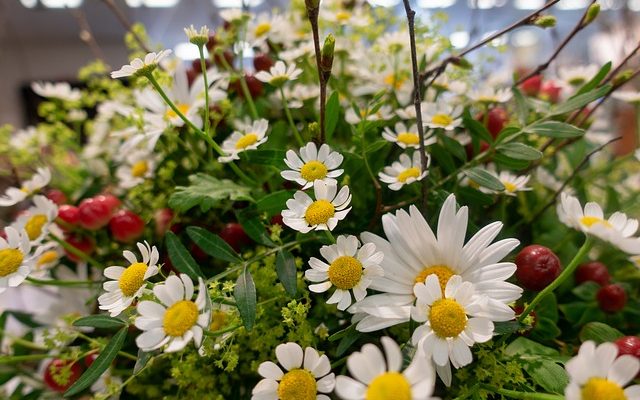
(42, 39)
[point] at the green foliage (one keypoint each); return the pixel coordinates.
(206, 192)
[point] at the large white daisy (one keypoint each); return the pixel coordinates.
(16, 260)
(249, 139)
(14, 195)
(177, 319)
(378, 376)
(330, 206)
(312, 165)
(37, 219)
(350, 268)
(412, 252)
(128, 282)
(405, 171)
(307, 375)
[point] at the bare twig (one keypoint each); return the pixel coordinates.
(622, 64)
(126, 23)
(87, 36)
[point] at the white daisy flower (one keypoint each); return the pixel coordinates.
(233, 15)
(627, 96)
(128, 283)
(58, 90)
(296, 95)
(378, 376)
(617, 230)
(307, 375)
(409, 112)
(445, 84)
(50, 254)
(139, 67)
(313, 165)
(265, 26)
(197, 36)
(382, 114)
(490, 95)
(249, 139)
(279, 74)
(350, 268)
(412, 252)
(139, 166)
(354, 18)
(406, 137)
(323, 213)
(577, 75)
(14, 195)
(405, 171)
(512, 183)
(442, 115)
(597, 373)
(177, 318)
(16, 260)
(451, 322)
(37, 219)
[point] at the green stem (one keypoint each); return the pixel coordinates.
(203, 67)
(222, 331)
(248, 98)
(564, 275)
(56, 282)
(23, 342)
(329, 236)
(75, 251)
(23, 358)
(513, 394)
(100, 345)
(287, 112)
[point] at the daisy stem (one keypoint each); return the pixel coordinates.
(513, 394)
(222, 331)
(23, 358)
(23, 342)
(329, 236)
(56, 282)
(75, 251)
(564, 275)
(203, 67)
(287, 112)
(101, 345)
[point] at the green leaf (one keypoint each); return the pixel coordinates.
(519, 151)
(587, 291)
(375, 146)
(454, 147)
(100, 321)
(508, 132)
(349, 338)
(245, 295)
(213, 244)
(266, 157)
(141, 362)
(100, 364)
(523, 346)
(180, 257)
(509, 163)
(443, 158)
(287, 271)
(549, 375)
(274, 203)
(253, 227)
(207, 192)
(599, 333)
(579, 100)
(332, 113)
(522, 108)
(555, 129)
(507, 327)
(545, 329)
(595, 81)
(476, 128)
(484, 178)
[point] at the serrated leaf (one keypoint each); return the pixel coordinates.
(332, 112)
(181, 258)
(484, 178)
(206, 192)
(274, 203)
(519, 151)
(524, 346)
(253, 227)
(100, 321)
(507, 327)
(213, 244)
(100, 364)
(245, 295)
(555, 129)
(599, 333)
(595, 81)
(266, 157)
(287, 271)
(579, 101)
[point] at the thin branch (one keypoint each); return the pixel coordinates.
(615, 72)
(312, 13)
(124, 21)
(87, 36)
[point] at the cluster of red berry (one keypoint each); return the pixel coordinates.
(60, 374)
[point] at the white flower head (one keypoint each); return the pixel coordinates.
(330, 206)
(16, 260)
(305, 377)
(512, 183)
(128, 283)
(196, 37)
(139, 166)
(490, 95)
(379, 376)
(628, 96)
(312, 164)
(405, 171)
(233, 15)
(139, 67)
(381, 114)
(406, 137)
(442, 115)
(577, 75)
(58, 90)
(597, 373)
(618, 229)
(279, 74)
(177, 318)
(350, 268)
(249, 139)
(37, 219)
(14, 195)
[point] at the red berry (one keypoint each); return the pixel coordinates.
(59, 375)
(68, 216)
(126, 226)
(94, 214)
(593, 271)
(276, 220)
(611, 298)
(110, 200)
(628, 345)
(82, 243)
(262, 62)
(496, 120)
(531, 86)
(537, 267)
(235, 236)
(484, 146)
(550, 92)
(57, 196)
(162, 218)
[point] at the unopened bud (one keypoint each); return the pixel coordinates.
(545, 21)
(592, 13)
(314, 129)
(461, 62)
(622, 77)
(326, 54)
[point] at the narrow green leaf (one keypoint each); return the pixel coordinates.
(519, 151)
(510, 163)
(508, 132)
(476, 128)
(100, 321)
(375, 146)
(266, 157)
(332, 113)
(454, 147)
(350, 337)
(181, 258)
(287, 271)
(253, 227)
(245, 295)
(522, 108)
(555, 129)
(100, 364)
(213, 245)
(274, 203)
(141, 362)
(595, 81)
(443, 158)
(580, 100)
(484, 178)
(599, 333)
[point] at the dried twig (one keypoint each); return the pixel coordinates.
(126, 23)
(86, 35)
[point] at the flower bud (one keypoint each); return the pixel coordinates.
(592, 13)
(326, 54)
(545, 21)
(461, 62)
(622, 77)
(199, 38)
(314, 129)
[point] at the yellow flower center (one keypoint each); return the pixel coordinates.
(183, 108)
(343, 16)
(412, 172)
(139, 169)
(246, 141)
(132, 278)
(345, 272)
(443, 273)
(48, 257)
(589, 221)
(313, 170)
(319, 212)
(393, 81)
(442, 119)
(297, 384)
(10, 261)
(408, 138)
(262, 29)
(509, 187)
(389, 386)
(34, 226)
(180, 317)
(600, 389)
(447, 318)
(218, 319)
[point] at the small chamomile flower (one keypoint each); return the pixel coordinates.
(16, 259)
(177, 318)
(330, 206)
(350, 268)
(59, 90)
(406, 137)
(139, 166)
(577, 76)
(50, 254)
(249, 139)
(442, 115)
(405, 171)
(512, 183)
(199, 38)
(312, 164)
(381, 114)
(279, 74)
(489, 95)
(627, 96)
(15, 195)
(307, 375)
(139, 67)
(37, 219)
(128, 282)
